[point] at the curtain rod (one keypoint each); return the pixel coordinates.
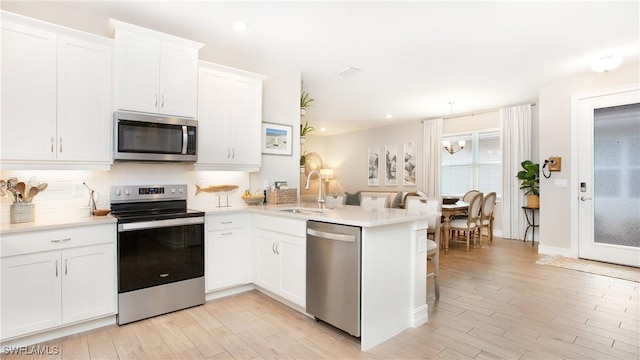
(473, 113)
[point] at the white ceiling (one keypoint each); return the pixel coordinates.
(415, 57)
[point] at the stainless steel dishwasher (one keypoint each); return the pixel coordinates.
(333, 274)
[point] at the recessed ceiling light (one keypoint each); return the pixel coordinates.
(389, 116)
(323, 129)
(240, 26)
(606, 63)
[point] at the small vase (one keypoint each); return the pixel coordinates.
(21, 212)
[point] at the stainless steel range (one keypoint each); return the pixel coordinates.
(160, 251)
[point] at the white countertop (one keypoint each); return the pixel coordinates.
(346, 215)
(49, 222)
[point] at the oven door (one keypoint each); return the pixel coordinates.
(154, 253)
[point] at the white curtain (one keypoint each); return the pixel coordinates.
(432, 138)
(515, 135)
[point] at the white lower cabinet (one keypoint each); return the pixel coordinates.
(59, 277)
(281, 257)
(228, 251)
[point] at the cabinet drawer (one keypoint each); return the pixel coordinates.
(226, 221)
(46, 240)
(282, 225)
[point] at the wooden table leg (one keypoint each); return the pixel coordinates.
(446, 227)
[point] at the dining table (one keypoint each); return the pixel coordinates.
(448, 211)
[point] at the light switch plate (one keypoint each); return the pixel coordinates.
(560, 183)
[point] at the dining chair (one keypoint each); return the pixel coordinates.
(467, 198)
(486, 215)
(374, 201)
(426, 205)
(470, 224)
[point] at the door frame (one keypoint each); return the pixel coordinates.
(575, 178)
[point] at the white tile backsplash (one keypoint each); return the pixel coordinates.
(67, 194)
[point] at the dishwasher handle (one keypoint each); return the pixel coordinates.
(332, 236)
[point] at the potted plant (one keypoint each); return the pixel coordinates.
(305, 102)
(303, 162)
(304, 130)
(530, 182)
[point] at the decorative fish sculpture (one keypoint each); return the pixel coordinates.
(215, 188)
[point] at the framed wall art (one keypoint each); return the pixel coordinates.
(374, 166)
(410, 164)
(390, 164)
(277, 139)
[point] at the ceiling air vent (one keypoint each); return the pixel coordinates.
(348, 71)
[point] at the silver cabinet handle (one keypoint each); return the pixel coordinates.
(331, 236)
(52, 144)
(227, 233)
(273, 248)
(66, 265)
(226, 222)
(584, 198)
(185, 139)
(277, 248)
(233, 152)
(156, 103)
(61, 145)
(60, 240)
(56, 268)
(162, 101)
(164, 275)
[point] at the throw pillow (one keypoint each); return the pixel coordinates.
(353, 199)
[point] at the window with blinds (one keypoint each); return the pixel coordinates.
(477, 166)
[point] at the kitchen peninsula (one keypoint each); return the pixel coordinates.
(238, 241)
(393, 261)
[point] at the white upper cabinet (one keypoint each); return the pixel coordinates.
(155, 72)
(56, 95)
(229, 118)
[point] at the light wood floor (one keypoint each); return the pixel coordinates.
(495, 303)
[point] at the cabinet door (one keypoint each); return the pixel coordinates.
(292, 255)
(268, 262)
(84, 101)
(137, 72)
(28, 93)
(178, 80)
(88, 282)
(226, 258)
(214, 117)
(31, 293)
(247, 118)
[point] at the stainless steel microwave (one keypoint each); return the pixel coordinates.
(146, 137)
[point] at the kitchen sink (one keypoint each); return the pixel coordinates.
(304, 210)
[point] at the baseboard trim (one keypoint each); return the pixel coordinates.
(552, 250)
(420, 316)
(47, 335)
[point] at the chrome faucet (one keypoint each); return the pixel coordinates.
(306, 187)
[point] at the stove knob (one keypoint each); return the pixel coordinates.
(118, 192)
(173, 190)
(127, 192)
(180, 190)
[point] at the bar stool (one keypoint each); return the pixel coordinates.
(433, 255)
